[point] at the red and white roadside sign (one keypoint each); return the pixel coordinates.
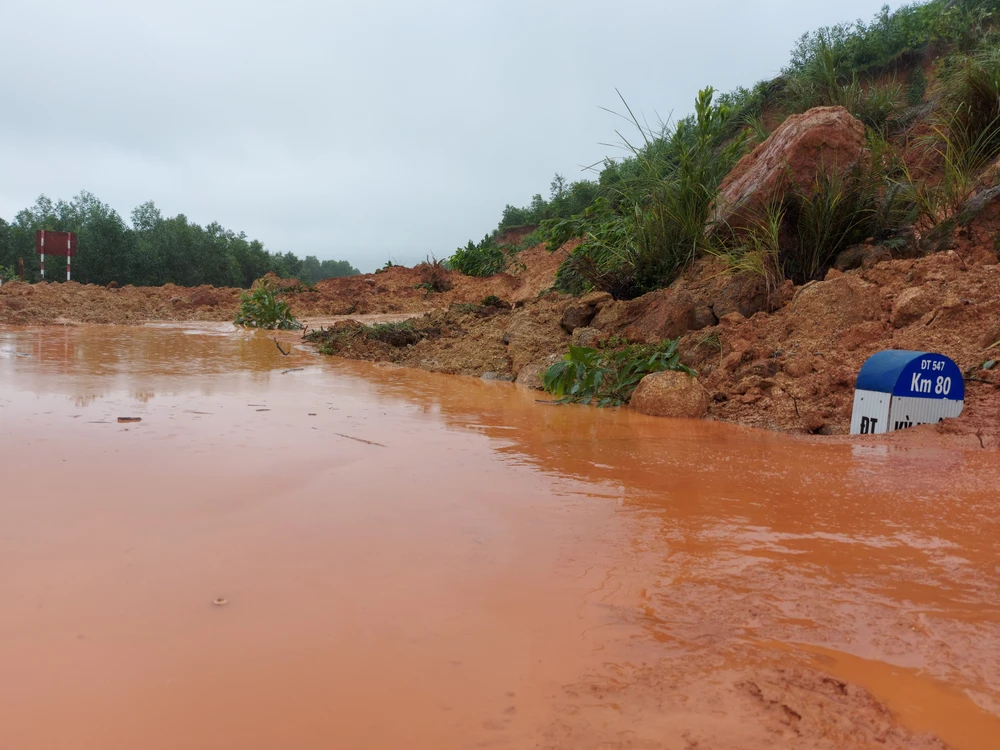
(55, 243)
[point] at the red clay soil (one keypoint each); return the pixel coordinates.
(788, 363)
(395, 290)
(785, 361)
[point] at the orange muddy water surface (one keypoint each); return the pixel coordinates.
(304, 553)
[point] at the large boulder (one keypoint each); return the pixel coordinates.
(821, 140)
(670, 394)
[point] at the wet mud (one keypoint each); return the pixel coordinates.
(405, 559)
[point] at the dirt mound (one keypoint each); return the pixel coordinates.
(49, 303)
(795, 369)
(494, 341)
(792, 369)
(395, 290)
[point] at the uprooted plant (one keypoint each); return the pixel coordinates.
(261, 308)
(434, 273)
(348, 334)
(609, 374)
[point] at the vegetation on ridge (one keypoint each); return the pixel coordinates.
(647, 216)
(154, 250)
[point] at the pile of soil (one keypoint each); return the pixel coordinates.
(789, 364)
(496, 340)
(71, 302)
(395, 290)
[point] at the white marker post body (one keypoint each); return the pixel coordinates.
(42, 254)
(69, 257)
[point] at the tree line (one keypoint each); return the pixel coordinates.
(152, 251)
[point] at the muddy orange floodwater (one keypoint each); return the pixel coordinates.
(305, 553)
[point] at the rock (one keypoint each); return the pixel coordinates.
(743, 293)
(496, 376)
(876, 255)
(670, 394)
(765, 368)
(663, 314)
(581, 315)
(861, 256)
(813, 422)
(835, 305)
(975, 205)
(530, 375)
(798, 367)
(586, 337)
(822, 139)
(911, 305)
(577, 316)
(940, 238)
(703, 317)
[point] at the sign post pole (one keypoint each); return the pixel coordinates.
(69, 257)
(43, 255)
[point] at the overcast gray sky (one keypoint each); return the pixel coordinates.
(356, 130)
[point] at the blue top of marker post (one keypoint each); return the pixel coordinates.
(904, 373)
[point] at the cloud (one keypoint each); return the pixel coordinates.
(355, 130)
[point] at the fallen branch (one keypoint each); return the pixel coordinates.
(279, 347)
(294, 369)
(359, 440)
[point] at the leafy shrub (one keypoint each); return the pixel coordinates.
(608, 375)
(494, 301)
(7, 274)
(822, 82)
(890, 38)
(488, 258)
(261, 308)
(564, 201)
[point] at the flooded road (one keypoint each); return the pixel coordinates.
(409, 560)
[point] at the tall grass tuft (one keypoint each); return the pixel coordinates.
(759, 253)
(970, 102)
(652, 223)
(800, 237)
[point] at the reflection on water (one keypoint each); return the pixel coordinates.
(465, 570)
